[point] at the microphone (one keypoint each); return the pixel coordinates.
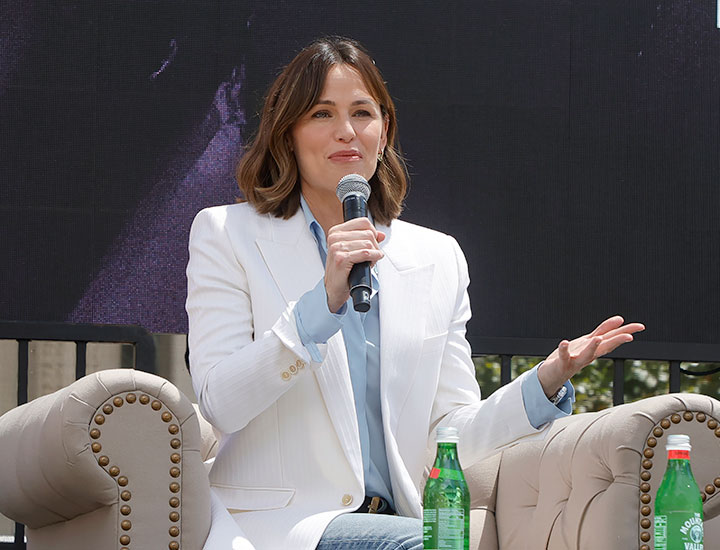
(353, 191)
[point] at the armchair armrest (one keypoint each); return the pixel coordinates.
(591, 482)
(120, 440)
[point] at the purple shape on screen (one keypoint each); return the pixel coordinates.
(142, 278)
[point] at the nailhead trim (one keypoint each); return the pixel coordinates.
(174, 487)
(646, 465)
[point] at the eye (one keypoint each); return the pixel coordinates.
(362, 113)
(320, 114)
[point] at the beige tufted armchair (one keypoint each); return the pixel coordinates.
(115, 461)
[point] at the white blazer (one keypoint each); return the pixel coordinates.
(289, 459)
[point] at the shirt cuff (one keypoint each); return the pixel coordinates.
(315, 323)
(538, 407)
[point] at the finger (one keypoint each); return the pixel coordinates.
(564, 350)
(630, 328)
(587, 354)
(355, 223)
(608, 324)
(356, 235)
(610, 344)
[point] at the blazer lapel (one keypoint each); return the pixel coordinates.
(404, 295)
(293, 260)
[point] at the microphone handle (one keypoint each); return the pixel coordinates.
(355, 206)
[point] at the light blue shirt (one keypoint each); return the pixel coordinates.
(361, 332)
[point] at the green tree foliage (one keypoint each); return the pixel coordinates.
(594, 384)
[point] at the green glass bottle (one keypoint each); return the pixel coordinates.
(678, 504)
(446, 500)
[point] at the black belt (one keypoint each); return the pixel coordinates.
(375, 505)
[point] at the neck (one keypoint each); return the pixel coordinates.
(326, 208)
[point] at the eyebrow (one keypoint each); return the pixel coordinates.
(356, 102)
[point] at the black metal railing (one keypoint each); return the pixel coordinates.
(81, 334)
(673, 353)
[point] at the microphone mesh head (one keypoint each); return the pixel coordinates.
(352, 183)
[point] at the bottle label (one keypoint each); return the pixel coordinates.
(682, 530)
(675, 455)
(443, 529)
(446, 473)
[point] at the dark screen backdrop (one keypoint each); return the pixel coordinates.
(570, 146)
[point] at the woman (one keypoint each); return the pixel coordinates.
(321, 408)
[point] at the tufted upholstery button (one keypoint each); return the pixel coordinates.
(144, 399)
(347, 500)
(645, 476)
(645, 536)
(174, 516)
(657, 432)
(649, 453)
(125, 495)
(103, 461)
(122, 481)
(645, 510)
(175, 472)
(125, 510)
(118, 401)
(688, 416)
(716, 482)
(647, 464)
(645, 499)
(96, 447)
(174, 487)
(717, 432)
(175, 458)
(173, 531)
(665, 423)
(95, 433)
(175, 443)
(126, 525)
(675, 419)
(651, 442)
(156, 405)
(174, 502)
(285, 375)
(173, 428)
(125, 540)
(712, 424)
(700, 417)
(645, 487)
(704, 496)
(114, 471)
(166, 416)
(644, 547)
(108, 409)
(709, 489)
(645, 523)
(99, 420)
(131, 398)
(174, 545)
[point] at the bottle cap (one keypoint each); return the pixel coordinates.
(678, 442)
(447, 434)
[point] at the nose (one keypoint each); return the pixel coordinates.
(344, 130)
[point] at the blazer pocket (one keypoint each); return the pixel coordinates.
(253, 498)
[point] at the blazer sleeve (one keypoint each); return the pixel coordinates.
(485, 426)
(236, 373)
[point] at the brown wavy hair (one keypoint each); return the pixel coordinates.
(268, 173)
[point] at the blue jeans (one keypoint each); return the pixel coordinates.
(372, 532)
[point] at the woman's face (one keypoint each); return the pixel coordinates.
(341, 134)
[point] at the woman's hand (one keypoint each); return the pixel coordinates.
(570, 357)
(349, 243)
